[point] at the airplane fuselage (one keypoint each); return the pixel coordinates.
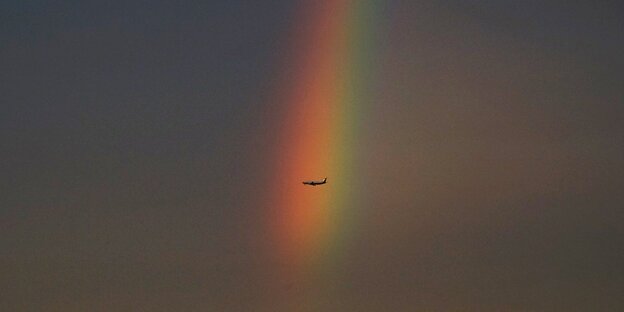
(315, 183)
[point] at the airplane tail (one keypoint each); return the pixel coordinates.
(324, 180)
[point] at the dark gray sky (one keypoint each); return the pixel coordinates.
(133, 136)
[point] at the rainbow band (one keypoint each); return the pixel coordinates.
(325, 103)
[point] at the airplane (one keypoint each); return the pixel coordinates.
(315, 182)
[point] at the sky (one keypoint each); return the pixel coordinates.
(144, 146)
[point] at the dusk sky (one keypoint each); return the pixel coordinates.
(152, 153)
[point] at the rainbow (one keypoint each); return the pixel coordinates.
(324, 99)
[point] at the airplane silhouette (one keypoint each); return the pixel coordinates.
(315, 182)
